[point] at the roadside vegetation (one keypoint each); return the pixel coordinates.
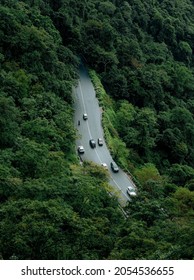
(143, 65)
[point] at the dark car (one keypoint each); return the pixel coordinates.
(100, 142)
(92, 143)
(114, 167)
(85, 116)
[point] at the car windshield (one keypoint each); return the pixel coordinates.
(131, 191)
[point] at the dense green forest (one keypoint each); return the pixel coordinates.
(141, 53)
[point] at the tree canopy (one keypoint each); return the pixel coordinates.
(142, 52)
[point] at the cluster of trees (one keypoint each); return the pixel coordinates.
(50, 207)
(143, 53)
(160, 223)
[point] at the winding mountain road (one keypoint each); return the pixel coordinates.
(85, 101)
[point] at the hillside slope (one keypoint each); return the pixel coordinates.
(53, 208)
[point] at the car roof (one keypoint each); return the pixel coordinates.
(130, 187)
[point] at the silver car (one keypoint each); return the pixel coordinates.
(131, 191)
(100, 142)
(81, 149)
(114, 167)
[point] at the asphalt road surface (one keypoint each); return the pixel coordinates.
(85, 101)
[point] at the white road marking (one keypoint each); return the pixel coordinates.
(119, 187)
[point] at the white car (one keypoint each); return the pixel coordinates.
(131, 191)
(100, 142)
(104, 165)
(85, 116)
(81, 149)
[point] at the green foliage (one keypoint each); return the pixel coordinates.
(181, 174)
(52, 208)
(152, 83)
(8, 121)
(146, 173)
(137, 127)
(59, 217)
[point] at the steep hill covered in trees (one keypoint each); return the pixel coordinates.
(51, 208)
